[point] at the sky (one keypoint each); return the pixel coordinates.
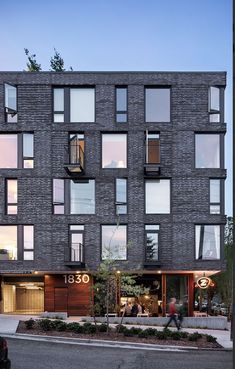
(124, 35)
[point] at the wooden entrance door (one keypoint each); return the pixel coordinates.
(61, 299)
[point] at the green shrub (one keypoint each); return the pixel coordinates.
(29, 323)
(210, 338)
(135, 331)
(45, 324)
(176, 336)
(161, 335)
(61, 327)
(184, 334)
(194, 336)
(71, 327)
(102, 327)
(121, 328)
(55, 323)
(167, 332)
(143, 334)
(150, 331)
(89, 328)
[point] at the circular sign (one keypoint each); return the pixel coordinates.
(204, 282)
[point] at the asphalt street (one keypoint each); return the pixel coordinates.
(26, 354)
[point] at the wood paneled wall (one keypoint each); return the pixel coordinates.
(78, 295)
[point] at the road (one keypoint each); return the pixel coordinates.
(48, 355)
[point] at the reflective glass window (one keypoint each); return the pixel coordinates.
(207, 150)
(114, 242)
(121, 195)
(82, 105)
(8, 150)
(157, 104)
(58, 196)
(157, 196)
(82, 197)
(11, 185)
(121, 104)
(207, 242)
(215, 189)
(151, 245)
(114, 150)
(8, 242)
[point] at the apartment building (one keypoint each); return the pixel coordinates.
(127, 165)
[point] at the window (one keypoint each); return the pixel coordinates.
(28, 161)
(215, 190)
(114, 242)
(157, 196)
(8, 242)
(58, 196)
(11, 190)
(76, 148)
(214, 104)
(82, 105)
(16, 150)
(152, 148)
(76, 105)
(8, 151)
(76, 243)
(121, 104)
(207, 150)
(16, 241)
(76, 195)
(157, 104)
(151, 242)
(82, 197)
(28, 242)
(11, 103)
(114, 150)
(58, 96)
(121, 196)
(207, 242)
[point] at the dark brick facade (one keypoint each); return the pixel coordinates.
(189, 186)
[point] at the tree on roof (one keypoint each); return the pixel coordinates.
(32, 64)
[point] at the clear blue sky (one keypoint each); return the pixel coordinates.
(96, 35)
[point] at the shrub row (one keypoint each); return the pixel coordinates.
(89, 328)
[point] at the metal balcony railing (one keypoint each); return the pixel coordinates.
(74, 159)
(74, 255)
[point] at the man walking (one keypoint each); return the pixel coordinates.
(172, 311)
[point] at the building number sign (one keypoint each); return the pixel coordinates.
(76, 278)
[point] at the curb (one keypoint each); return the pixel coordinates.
(106, 343)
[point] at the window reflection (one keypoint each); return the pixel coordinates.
(82, 197)
(114, 243)
(8, 242)
(151, 239)
(11, 185)
(157, 104)
(82, 105)
(207, 150)
(121, 195)
(8, 151)
(157, 196)
(114, 151)
(207, 242)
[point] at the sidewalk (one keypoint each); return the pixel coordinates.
(9, 323)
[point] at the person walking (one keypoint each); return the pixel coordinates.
(172, 312)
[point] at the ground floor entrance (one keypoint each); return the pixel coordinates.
(73, 293)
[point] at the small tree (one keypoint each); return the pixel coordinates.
(32, 64)
(57, 62)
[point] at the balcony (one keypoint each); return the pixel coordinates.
(74, 256)
(152, 163)
(74, 159)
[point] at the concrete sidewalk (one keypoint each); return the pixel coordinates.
(9, 323)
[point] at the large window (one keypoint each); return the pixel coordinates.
(10, 103)
(207, 242)
(76, 105)
(11, 198)
(157, 104)
(215, 196)
(114, 242)
(207, 150)
(157, 196)
(16, 150)
(121, 196)
(76, 242)
(214, 104)
(121, 104)
(82, 197)
(151, 242)
(16, 242)
(114, 150)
